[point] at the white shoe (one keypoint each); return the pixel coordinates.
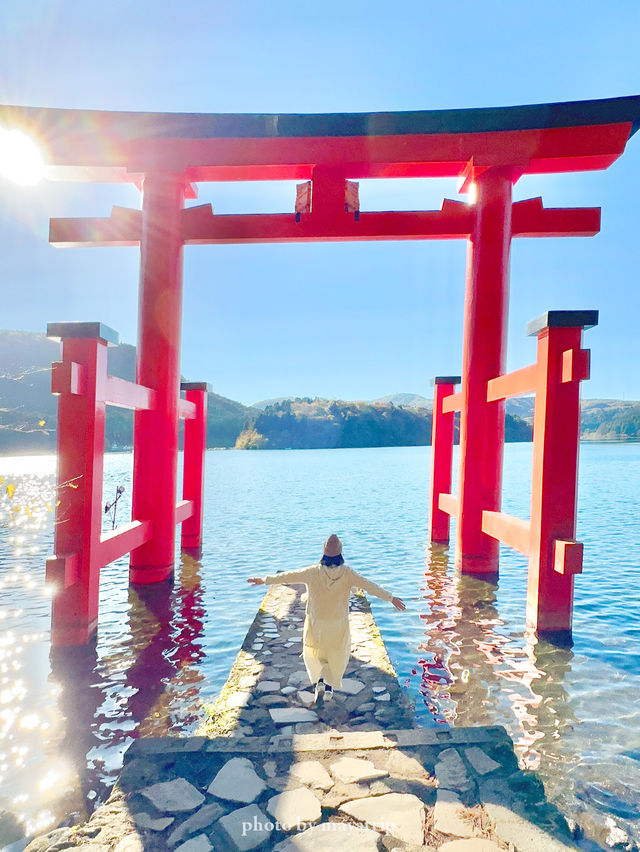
(320, 691)
(328, 693)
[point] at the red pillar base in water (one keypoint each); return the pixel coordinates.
(74, 572)
(548, 537)
(195, 445)
(554, 556)
(442, 434)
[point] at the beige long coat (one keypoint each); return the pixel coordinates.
(326, 636)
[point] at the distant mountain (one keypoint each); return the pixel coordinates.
(267, 403)
(28, 409)
(408, 400)
(610, 420)
(521, 406)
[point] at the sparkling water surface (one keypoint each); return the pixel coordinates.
(461, 649)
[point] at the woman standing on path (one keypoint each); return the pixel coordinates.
(326, 638)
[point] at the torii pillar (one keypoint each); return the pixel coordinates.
(155, 450)
(482, 424)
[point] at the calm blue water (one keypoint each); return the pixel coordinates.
(461, 649)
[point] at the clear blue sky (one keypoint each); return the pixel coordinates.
(354, 321)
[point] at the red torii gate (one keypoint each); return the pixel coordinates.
(167, 154)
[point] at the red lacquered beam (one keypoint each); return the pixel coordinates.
(186, 409)
(62, 571)
(511, 531)
(201, 226)
(512, 384)
(184, 510)
(530, 219)
(204, 227)
(449, 503)
(124, 394)
(116, 543)
(452, 402)
(122, 228)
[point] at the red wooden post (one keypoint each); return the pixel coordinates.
(74, 571)
(195, 445)
(158, 367)
(442, 430)
(554, 555)
(483, 358)
(328, 193)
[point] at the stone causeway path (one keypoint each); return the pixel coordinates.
(272, 770)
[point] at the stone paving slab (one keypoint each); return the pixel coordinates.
(237, 781)
(334, 837)
(359, 775)
(402, 815)
(449, 815)
(354, 770)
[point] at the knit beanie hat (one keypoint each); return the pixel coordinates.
(332, 546)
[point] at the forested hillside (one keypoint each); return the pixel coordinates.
(310, 424)
(28, 411)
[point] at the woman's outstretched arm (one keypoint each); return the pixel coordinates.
(360, 582)
(301, 575)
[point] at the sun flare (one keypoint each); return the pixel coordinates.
(20, 159)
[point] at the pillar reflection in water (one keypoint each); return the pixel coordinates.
(166, 634)
(147, 684)
(459, 622)
(73, 671)
(475, 671)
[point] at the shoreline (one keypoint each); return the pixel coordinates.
(123, 450)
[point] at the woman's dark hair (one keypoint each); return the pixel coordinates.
(332, 560)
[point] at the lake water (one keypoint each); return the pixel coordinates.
(461, 649)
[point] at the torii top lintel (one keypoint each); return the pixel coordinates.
(122, 146)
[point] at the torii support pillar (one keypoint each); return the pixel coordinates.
(75, 569)
(195, 445)
(442, 434)
(555, 556)
(155, 450)
(483, 358)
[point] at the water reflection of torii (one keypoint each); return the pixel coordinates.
(159, 623)
(476, 673)
(179, 624)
